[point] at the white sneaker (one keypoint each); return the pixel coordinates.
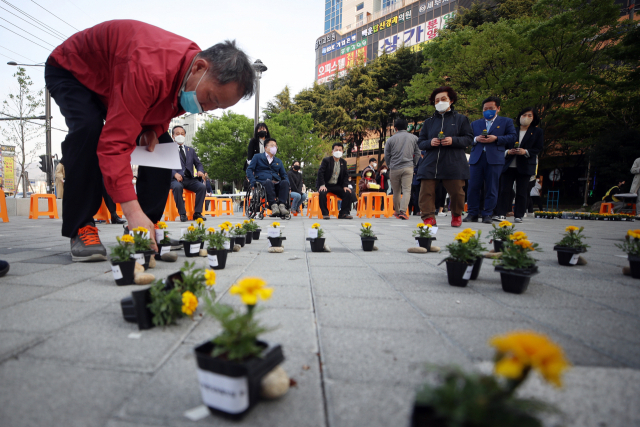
(442, 214)
(518, 220)
(498, 218)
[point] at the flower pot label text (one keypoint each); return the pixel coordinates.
(574, 259)
(467, 273)
(194, 249)
(213, 260)
(273, 232)
(159, 235)
(139, 258)
(227, 245)
(165, 250)
(313, 233)
(117, 274)
(224, 393)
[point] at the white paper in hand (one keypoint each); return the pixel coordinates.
(164, 156)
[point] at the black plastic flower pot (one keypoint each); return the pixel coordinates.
(232, 243)
(425, 242)
(634, 265)
(217, 258)
(516, 281)
(248, 237)
(256, 234)
(135, 309)
(477, 265)
(457, 273)
(566, 254)
(425, 415)
(143, 258)
(162, 249)
(240, 240)
(232, 388)
(192, 249)
(123, 272)
(367, 243)
(317, 244)
(276, 242)
(497, 245)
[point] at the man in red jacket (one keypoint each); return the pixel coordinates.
(120, 83)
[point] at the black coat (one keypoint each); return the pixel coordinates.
(252, 150)
(295, 181)
(533, 142)
(326, 170)
(450, 161)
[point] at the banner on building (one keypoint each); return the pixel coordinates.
(327, 71)
(8, 171)
(414, 36)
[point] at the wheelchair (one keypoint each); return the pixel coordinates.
(255, 202)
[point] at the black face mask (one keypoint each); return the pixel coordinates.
(262, 134)
(296, 168)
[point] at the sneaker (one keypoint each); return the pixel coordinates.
(86, 245)
(198, 215)
(498, 218)
(4, 268)
(486, 219)
(326, 217)
(115, 219)
(283, 210)
(430, 221)
(403, 215)
(518, 220)
(470, 218)
(442, 214)
(456, 221)
(396, 215)
(345, 216)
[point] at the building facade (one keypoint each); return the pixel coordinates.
(191, 123)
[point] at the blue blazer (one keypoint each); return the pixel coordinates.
(192, 160)
(260, 170)
(505, 131)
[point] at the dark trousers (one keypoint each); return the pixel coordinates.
(537, 200)
(415, 195)
(84, 115)
(282, 190)
(191, 184)
(483, 174)
(510, 176)
(345, 209)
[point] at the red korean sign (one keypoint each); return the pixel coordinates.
(341, 63)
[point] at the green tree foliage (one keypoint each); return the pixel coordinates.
(222, 146)
(281, 102)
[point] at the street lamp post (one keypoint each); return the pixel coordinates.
(47, 118)
(259, 68)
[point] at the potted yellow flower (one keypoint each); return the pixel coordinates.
(240, 233)
(424, 236)
(571, 245)
(142, 246)
(162, 238)
(216, 251)
(201, 229)
(231, 365)
(500, 234)
(631, 246)
(473, 399)
(516, 266)
(367, 237)
(122, 265)
(249, 225)
(274, 234)
(226, 230)
(316, 238)
(461, 259)
(192, 241)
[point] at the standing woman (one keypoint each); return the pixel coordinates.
(444, 137)
(256, 144)
(520, 163)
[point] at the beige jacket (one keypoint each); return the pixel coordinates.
(59, 179)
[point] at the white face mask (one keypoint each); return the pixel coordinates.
(273, 150)
(525, 121)
(383, 171)
(374, 165)
(180, 139)
(337, 154)
(442, 106)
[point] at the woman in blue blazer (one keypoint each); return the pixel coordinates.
(520, 163)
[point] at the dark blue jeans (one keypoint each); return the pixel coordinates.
(483, 174)
(282, 189)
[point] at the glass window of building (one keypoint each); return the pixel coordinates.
(360, 6)
(332, 15)
(387, 3)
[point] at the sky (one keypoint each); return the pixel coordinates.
(281, 33)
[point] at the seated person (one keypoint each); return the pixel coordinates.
(373, 165)
(268, 170)
(368, 182)
(332, 178)
(183, 178)
(295, 181)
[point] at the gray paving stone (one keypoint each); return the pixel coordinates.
(45, 315)
(13, 343)
(468, 306)
(12, 294)
(282, 297)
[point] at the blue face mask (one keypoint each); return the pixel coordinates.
(189, 100)
(489, 114)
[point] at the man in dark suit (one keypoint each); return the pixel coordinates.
(492, 134)
(332, 178)
(183, 178)
(268, 170)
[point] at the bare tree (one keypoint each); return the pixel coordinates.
(22, 133)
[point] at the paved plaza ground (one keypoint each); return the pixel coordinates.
(357, 328)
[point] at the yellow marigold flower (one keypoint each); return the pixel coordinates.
(127, 238)
(367, 225)
(238, 225)
(469, 232)
(211, 230)
(462, 237)
(162, 225)
(189, 303)
(420, 225)
(519, 350)
(250, 288)
(246, 221)
(315, 225)
(210, 277)
(142, 230)
(634, 234)
(228, 223)
(275, 224)
(191, 228)
(518, 235)
(571, 228)
(524, 244)
(504, 224)
(199, 221)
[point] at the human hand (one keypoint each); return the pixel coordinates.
(347, 189)
(519, 151)
(149, 139)
(447, 141)
(322, 188)
(136, 218)
(435, 142)
(491, 138)
(178, 177)
(200, 174)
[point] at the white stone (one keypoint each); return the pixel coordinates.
(275, 384)
(143, 278)
(415, 250)
(274, 250)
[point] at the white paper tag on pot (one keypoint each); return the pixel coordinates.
(159, 235)
(313, 233)
(227, 245)
(574, 259)
(273, 232)
(138, 257)
(213, 260)
(183, 231)
(225, 393)
(417, 243)
(434, 230)
(194, 248)
(467, 273)
(117, 273)
(165, 250)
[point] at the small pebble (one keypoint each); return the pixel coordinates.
(493, 255)
(236, 248)
(581, 261)
(276, 250)
(327, 248)
(416, 250)
(170, 257)
(434, 249)
(375, 248)
(143, 278)
(152, 262)
(203, 252)
(626, 271)
(275, 384)
(139, 268)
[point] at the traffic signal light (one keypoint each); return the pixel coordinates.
(44, 164)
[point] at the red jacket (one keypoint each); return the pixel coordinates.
(137, 70)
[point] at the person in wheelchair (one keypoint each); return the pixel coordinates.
(268, 170)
